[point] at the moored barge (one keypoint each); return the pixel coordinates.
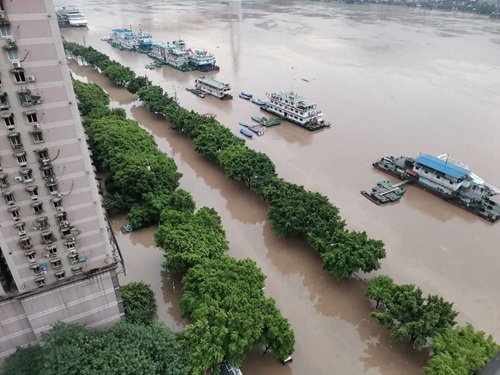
(445, 178)
(213, 87)
(295, 109)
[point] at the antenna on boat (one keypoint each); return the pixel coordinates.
(140, 29)
(131, 28)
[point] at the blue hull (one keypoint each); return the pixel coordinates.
(246, 133)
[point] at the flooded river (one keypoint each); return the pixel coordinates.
(393, 81)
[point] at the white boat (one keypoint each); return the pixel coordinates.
(71, 17)
(213, 87)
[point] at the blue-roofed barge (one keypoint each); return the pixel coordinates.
(447, 179)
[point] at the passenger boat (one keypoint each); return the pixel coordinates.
(258, 102)
(246, 133)
(447, 179)
(203, 61)
(213, 87)
(295, 109)
(70, 18)
(126, 39)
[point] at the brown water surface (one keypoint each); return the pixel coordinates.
(393, 81)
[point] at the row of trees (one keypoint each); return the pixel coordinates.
(298, 212)
(457, 350)
(123, 349)
(145, 180)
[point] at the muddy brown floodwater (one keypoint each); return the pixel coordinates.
(394, 81)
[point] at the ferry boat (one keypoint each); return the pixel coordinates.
(70, 18)
(295, 109)
(173, 53)
(213, 87)
(126, 39)
(203, 60)
(447, 179)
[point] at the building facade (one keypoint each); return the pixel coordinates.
(58, 258)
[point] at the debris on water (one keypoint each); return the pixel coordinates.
(305, 80)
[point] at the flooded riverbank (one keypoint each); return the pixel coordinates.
(393, 81)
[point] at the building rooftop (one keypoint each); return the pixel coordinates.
(442, 166)
(212, 82)
(294, 98)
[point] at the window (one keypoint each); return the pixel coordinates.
(5, 30)
(73, 258)
(57, 202)
(47, 171)
(32, 257)
(56, 263)
(32, 191)
(15, 140)
(70, 245)
(52, 188)
(13, 55)
(32, 117)
(9, 121)
(43, 155)
(66, 231)
(21, 158)
(9, 197)
(20, 77)
(20, 227)
(37, 136)
(51, 250)
(77, 270)
(47, 237)
(3, 180)
(60, 275)
(25, 242)
(25, 99)
(37, 207)
(40, 282)
(36, 269)
(61, 216)
(43, 222)
(27, 175)
(4, 103)
(14, 211)
(451, 182)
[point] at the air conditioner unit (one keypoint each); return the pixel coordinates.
(34, 198)
(36, 125)
(11, 127)
(23, 163)
(3, 17)
(22, 233)
(16, 64)
(60, 209)
(37, 101)
(18, 179)
(32, 260)
(10, 203)
(11, 40)
(30, 78)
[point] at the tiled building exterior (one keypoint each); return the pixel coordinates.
(57, 258)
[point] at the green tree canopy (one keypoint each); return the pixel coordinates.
(460, 351)
(137, 83)
(191, 240)
(138, 302)
(349, 252)
(25, 361)
(123, 349)
(118, 73)
(407, 313)
(213, 139)
(380, 288)
(225, 296)
(244, 164)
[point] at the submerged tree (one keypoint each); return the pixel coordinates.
(138, 302)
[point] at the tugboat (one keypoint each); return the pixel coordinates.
(295, 109)
(212, 87)
(446, 178)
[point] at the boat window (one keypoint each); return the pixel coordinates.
(451, 182)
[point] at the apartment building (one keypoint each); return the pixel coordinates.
(57, 258)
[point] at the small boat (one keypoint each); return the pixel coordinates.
(245, 96)
(244, 125)
(196, 92)
(246, 133)
(257, 119)
(258, 102)
(237, 136)
(255, 130)
(127, 228)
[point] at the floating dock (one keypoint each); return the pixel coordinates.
(385, 192)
